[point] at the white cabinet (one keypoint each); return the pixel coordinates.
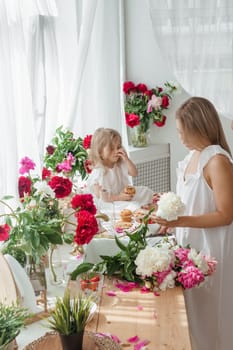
(153, 163)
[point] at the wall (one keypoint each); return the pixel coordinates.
(144, 63)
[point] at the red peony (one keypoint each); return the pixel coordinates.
(50, 149)
(161, 123)
(61, 186)
(132, 120)
(88, 166)
(24, 186)
(87, 141)
(165, 101)
(87, 227)
(83, 202)
(4, 232)
(149, 93)
(141, 88)
(128, 86)
(46, 173)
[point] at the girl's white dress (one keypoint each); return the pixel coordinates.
(209, 307)
(114, 181)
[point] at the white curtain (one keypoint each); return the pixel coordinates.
(196, 39)
(19, 136)
(39, 91)
(96, 88)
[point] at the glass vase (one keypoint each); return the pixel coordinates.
(36, 274)
(139, 136)
(37, 277)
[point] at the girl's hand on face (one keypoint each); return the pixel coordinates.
(122, 154)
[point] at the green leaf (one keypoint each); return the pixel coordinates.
(120, 244)
(82, 268)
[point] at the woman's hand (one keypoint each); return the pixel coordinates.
(165, 223)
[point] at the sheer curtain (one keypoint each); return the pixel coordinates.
(38, 92)
(96, 88)
(19, 136)
(196, 39)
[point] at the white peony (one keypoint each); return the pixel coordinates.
(198, 260)
(170, 206)
(153, 259)
(43, 189)
(169, 281)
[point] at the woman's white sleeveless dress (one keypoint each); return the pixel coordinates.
(210, 307)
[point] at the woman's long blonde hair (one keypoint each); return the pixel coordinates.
(199, 116)
(103, 138)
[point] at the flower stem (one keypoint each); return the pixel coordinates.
(51, 263)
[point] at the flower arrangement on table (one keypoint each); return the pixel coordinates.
(154, 268)
(143, 106)
(39, 221)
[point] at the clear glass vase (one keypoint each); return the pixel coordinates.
(139, 136)
(36, 274)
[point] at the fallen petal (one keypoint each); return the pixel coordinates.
(140, 345)
(134, 339)
(111, 293)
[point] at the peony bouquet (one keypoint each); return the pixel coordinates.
(144, 105)
(152, 268)
(167, 265)
(39, 220)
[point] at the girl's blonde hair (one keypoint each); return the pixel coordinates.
(103, 138)
(199, 116)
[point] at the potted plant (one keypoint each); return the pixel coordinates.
(69, 319)
(12, 320)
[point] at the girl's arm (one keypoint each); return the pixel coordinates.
(132, 169)
(219, 176)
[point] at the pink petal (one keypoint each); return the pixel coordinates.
(140, 345)
(119, 229)
(145, 290)
(111, 293)
(134, 339)
(156, 294)
(125, 286)
(115, 339)
(155, 315)
(140, 307)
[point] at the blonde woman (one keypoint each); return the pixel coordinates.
(205, 185)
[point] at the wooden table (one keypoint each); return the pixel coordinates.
(162, 319)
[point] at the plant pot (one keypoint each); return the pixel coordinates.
(10, 346)
(73, 341)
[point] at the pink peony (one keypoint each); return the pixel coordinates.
(190, 276)
(26, 165)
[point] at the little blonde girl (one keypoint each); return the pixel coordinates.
(112, 169)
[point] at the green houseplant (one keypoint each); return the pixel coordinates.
(69, 319)
(12, 320)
